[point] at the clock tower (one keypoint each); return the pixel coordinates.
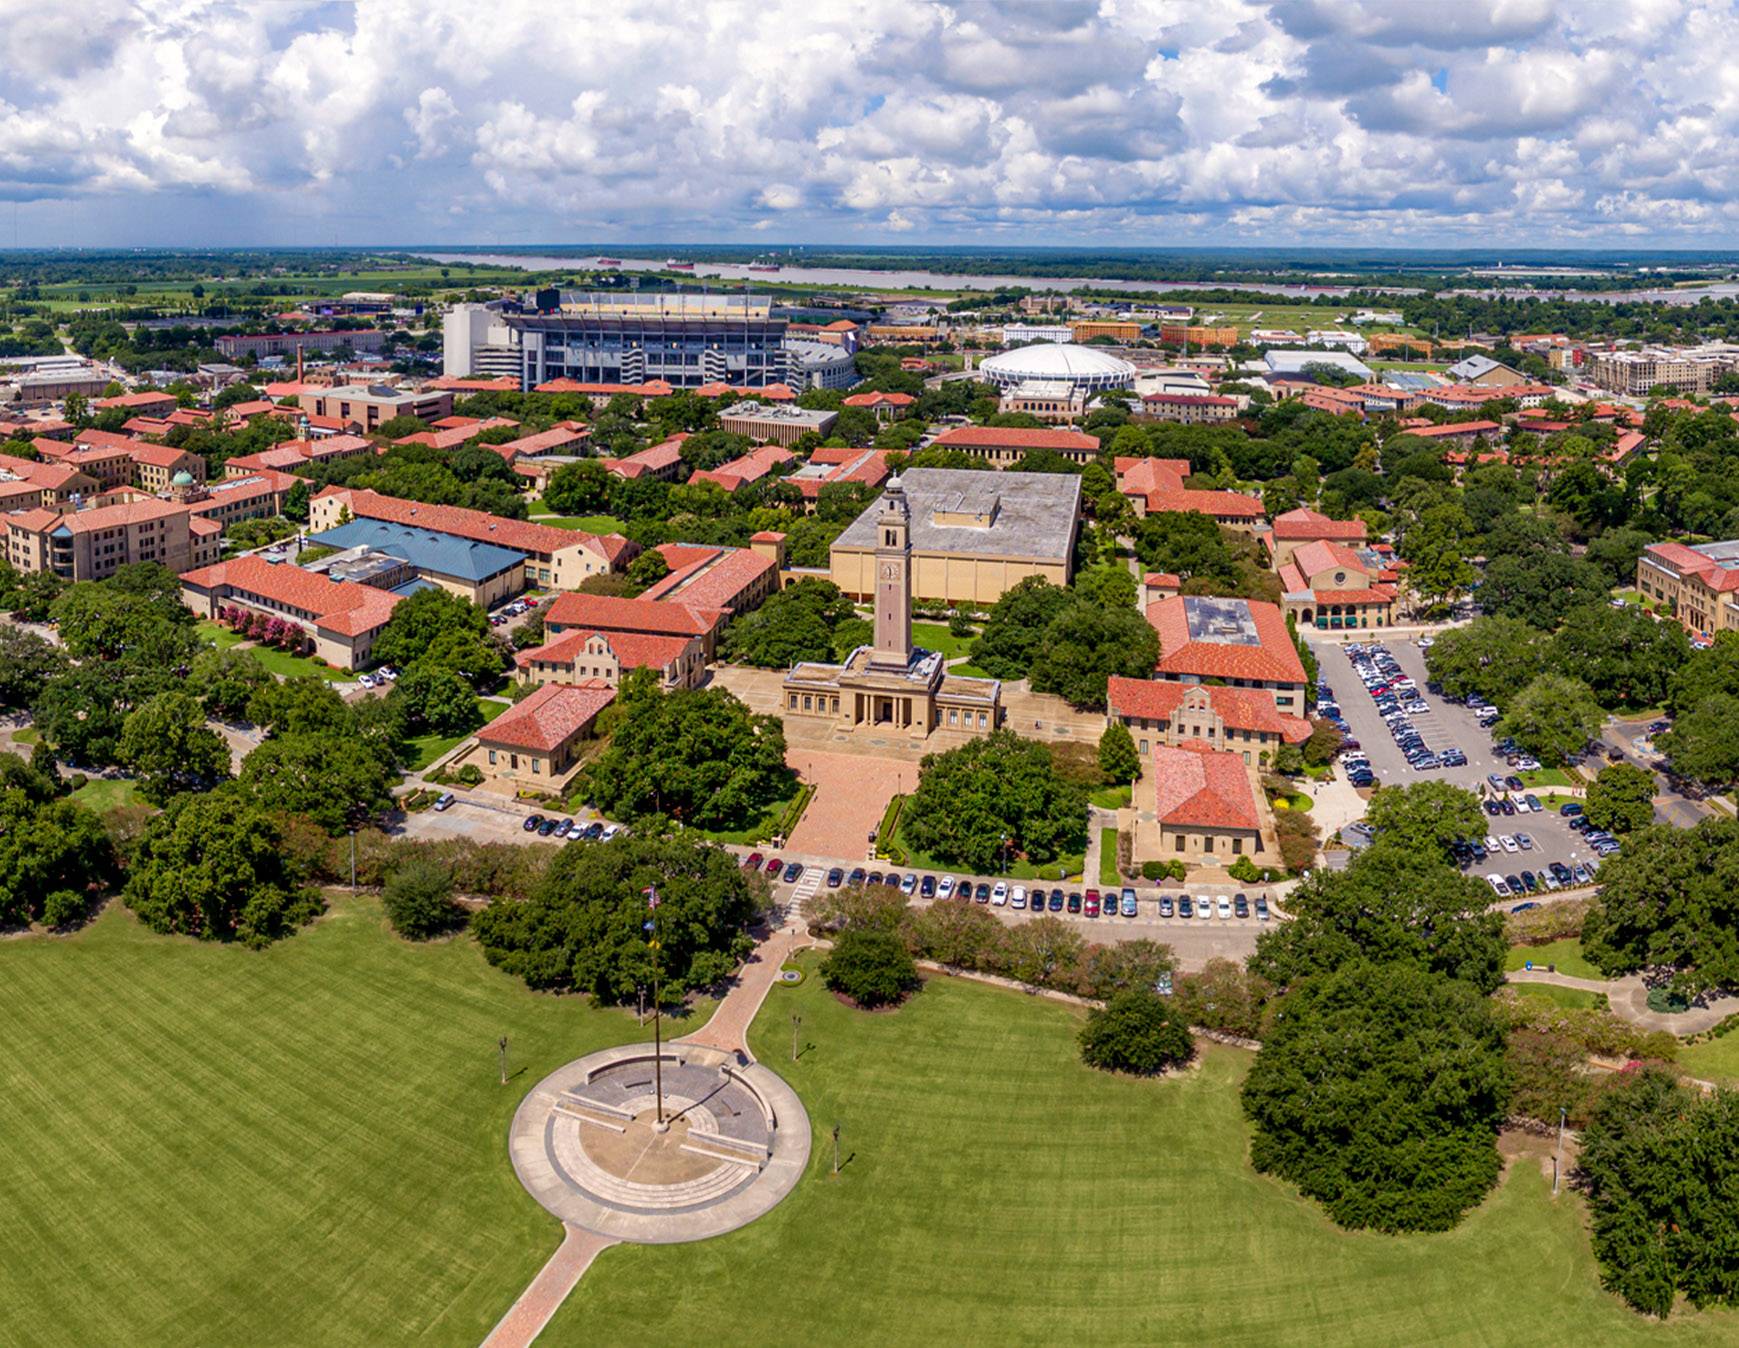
(893, 648)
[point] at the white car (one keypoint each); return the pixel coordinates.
(610, 831)
(1225, 906)
(1492, 844)
(1508, 843)
(1524, 842)
(1017, 897)
(999, 895)
(945, 889)
(1205, 906)
(1498, 886)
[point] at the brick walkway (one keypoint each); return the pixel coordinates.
(526, 1318)
(852, 792)
(728, 1030)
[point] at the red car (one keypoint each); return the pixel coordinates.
(752, 862)
(776, 865)
(1092, 903)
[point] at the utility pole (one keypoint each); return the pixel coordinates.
(1558, 1158)
(353, 861)
(502, 1046)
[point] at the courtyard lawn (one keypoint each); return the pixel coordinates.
(218, 635)
(305, 1144)
(29, 735)
(103, 794)
(1714, 1060)
(1565, 954)
(277, 662)
(1546, 777)
(425, 749)
(997, 1192)
(937, 637)
(970, 671)
(1110, 797)
(592, 524)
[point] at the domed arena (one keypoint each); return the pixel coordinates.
(1081, 367)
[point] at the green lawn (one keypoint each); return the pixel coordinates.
(1108, 873)
(1714, 1060)
(1575, 998)
(1565, 954)
(103, 794)
(300, 1145)
(278, 662)
(1110, 797)
(425, 749)
(997, 1192)
(937, 637)
(591, 524)
(1546, 777)
(970, 671)
(28, 735)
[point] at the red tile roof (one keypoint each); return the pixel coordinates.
(550, 717)
(1238, 708)
(631, 649)
(653, 459)
(453, 384)
(1160, 484)
(1013, 437)
(752, 467)
(142, 399)
(337, 606)
(159, 456)
(1456, 428)
(1688, 561)
(710, 578)
(1305, 524)
(609, 613)
(1273, 658)
(1375, 594)
(773, 393)
(542, 442)
(1161, 580)
(1196, 786)
(109, 516)
(1188, 400)
(655, 388)
(879, 400)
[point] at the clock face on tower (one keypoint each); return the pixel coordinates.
(890, 571)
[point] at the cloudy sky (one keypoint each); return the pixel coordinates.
(1063, 121)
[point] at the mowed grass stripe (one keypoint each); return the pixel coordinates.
(999, 1192)
(305, 1144)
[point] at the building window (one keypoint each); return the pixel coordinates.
(492, 755)
(1207, 842)
(1237, 846)
(1180, 842)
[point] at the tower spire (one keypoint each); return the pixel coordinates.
(893, 637)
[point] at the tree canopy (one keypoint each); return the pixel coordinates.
(800, 622)
(870, 965)
(1379, 1092)
(1085, 645)
(1553, 718)
(992, 800)
(1620, 799)
(168, 745)
(1670, 902)
(700, 756)
(1016, 626)
(1427, 816)
(583, 929)
(1136, 1031)
(1494, 657)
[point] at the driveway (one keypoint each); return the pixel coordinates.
(1671, 806)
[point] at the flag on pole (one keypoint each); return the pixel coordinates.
(651, 893)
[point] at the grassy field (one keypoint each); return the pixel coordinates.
(937, 637)
(1110, 797)
(425, 749)
(1566, 954)
(277, 662)
(995, 1191)
(1575, 998)
(301, 1145)
(1546, 777)
(586, 524)
(103, 794)
(1713, 1060)
(218, 635)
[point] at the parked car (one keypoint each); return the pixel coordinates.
(1261, 908)
(1128, 903)
(909, 885)
(836, 877)
(857, 876)
(1092, 904)
(892, 880)
(793, 872)
(1524, 907)
(776, 865)
(445, 801)
(1498, 886)
(999, 895)
(1508, 842)
(1074, 901)
(546, 828)
(981, 894)
(1225, 907)
(927, 887)
(1165, 908)
(595, 831)
(1056, 901)
(1241, 906)
(1184, 907)
(610, 831)
(945, 887)
(1533, 803)
(1570, 809)
(564, 828)
(1017, 897)
(531, 823)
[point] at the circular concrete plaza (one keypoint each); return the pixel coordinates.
(587, 1144)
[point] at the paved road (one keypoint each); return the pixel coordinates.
(1670, 805)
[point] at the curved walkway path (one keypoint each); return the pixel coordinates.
(1628, 998)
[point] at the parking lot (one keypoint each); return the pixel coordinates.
(1445, 725)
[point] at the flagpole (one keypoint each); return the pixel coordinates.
(651, 892)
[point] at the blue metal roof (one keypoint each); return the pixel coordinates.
(412, 586)
(424, 549)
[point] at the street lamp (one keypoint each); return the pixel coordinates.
(796, 1025)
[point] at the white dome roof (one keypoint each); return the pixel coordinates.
(1058, 360)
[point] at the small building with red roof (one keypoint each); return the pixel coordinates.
(1156, 486)
(1333, 587)
(885, 406)
(1292, 530)
(1207, 808)
(537, 744)
(578, 655)
(1001, 446)
(342, 618)
(1243, 721)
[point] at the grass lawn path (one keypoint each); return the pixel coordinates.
(998, 1192)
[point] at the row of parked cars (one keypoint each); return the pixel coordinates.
(552, 827)
(1555, 875)
(1398, 700)
(508, 612)
(378, 678)
(1238, 905)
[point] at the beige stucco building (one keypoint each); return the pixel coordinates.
(893, 687)
(1697, 585)
(91, 544)
(972, 535)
